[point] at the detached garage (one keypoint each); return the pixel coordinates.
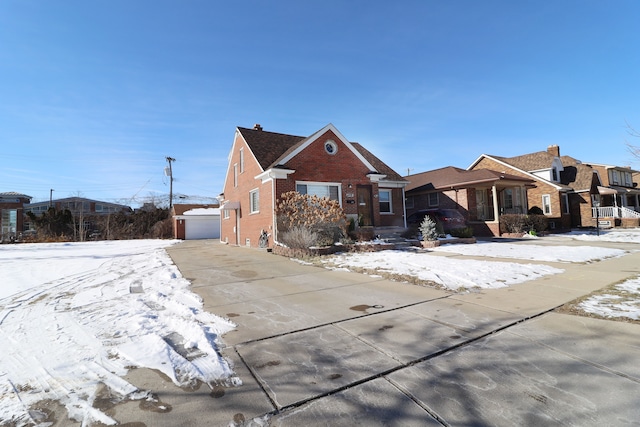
(191, 222)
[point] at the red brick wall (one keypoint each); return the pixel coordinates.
(313, 164)
(249, 225)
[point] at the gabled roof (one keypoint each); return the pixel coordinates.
(273, 150)
(529, 162)
(452, 177)
(378, 164)
(267, 147)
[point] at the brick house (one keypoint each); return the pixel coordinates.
(481, 195)
(619, 195)
(12, 207)
(263, 165)
(564, 188)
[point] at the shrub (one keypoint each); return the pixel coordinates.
(537, 223)
(513, 223)
(535, 210)
(299, 238)
(324, 218)
(463, 232)
(428, 229)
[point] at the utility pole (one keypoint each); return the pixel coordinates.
(169, 173)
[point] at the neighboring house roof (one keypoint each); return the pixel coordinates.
(14, 194)
(190, 209)
(527, 164)
(451, 177)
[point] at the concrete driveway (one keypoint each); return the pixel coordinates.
(319, 347)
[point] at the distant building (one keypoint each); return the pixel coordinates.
(12, 207)
(79, 207)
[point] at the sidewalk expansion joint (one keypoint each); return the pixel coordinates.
(389, 371)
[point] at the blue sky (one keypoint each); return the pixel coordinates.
(95, 94)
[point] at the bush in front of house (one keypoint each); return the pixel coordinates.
(429, 229)
(462, 233)
(299, 238)
(320, 216)
(537, 223)
(520, 223)
(513, 223)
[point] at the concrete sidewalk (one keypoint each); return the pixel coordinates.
(320, 347)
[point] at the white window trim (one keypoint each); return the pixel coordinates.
(241, 160)
(327, 184)
(548, 197)
(252, 207)
(384, 190)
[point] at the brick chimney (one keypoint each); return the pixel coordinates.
(554, 150)
(257, 126)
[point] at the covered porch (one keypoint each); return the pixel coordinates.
(615, 203)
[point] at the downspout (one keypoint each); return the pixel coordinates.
(273, 210)
(404, 209)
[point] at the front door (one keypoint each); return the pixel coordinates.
(365, 209)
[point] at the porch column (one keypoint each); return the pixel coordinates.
(494, 195)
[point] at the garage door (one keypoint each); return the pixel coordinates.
(202, 228)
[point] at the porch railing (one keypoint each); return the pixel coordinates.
(614, 212)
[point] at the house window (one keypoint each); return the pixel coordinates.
(508, 199)
(330, 191)
(235, 174)
(627, 179)
(433, 199)
(384, 196)
(565, 202)
(409, 202)
(225, 214)
(546, 204)
(254, 201)
(554, 173)
(615, 177)
(241, 160)
(9, 221)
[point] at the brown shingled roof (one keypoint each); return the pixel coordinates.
(452, 177)
(268, 147)
(529, 162)
(380, 166)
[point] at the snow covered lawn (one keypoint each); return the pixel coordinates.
(77, 315)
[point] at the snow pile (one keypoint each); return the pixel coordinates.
(109, 307)
(631, 235)
(450, 273)
(533, 252)
(621, 301)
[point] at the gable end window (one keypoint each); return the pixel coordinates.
(254, 201)
(433, 199)
(384, 196)
(241, 160)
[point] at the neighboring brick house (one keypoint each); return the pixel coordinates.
(481, 195)
(81, 208)
(564, 188)
(12, 207)
(264, 165)
(621, 197)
